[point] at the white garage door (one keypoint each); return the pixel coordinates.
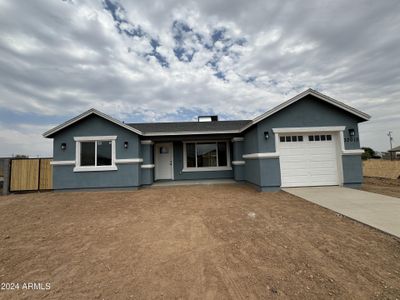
(308, 159)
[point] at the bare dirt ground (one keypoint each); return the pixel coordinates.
(191, 242)
(389, 187)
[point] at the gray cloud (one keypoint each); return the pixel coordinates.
(58, 58)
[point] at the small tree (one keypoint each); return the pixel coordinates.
(368, 153)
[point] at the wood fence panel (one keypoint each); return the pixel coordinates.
(46, 174)
(24, 175)
(382, 168)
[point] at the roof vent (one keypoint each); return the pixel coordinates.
(207, 118)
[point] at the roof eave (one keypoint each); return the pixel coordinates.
(354, 111)
(49, 133)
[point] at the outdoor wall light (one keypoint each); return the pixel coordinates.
(266, 135)
(352, 132)
(63, 146)
(126, 144)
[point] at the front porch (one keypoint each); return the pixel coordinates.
(191, 160)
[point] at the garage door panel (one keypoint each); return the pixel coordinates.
(308, 163)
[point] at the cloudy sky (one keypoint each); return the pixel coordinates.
(166, 60)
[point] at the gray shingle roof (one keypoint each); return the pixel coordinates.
(216, 126)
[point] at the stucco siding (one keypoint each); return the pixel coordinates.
(65, 178)
(127, 175)
(307, 112)
(352, 169)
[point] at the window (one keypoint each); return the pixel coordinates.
(95, 153)
(206, 156)
(294, 138)
(320, 137)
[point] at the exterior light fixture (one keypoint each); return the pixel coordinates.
(63, 146)
(352, 132)
(126, 144)
(266, 135)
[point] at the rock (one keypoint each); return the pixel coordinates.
(274, 290)
(6, 237)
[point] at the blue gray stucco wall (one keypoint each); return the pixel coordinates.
(147, 173)
(127, 175)
(307, 112)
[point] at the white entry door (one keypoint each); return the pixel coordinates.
(163, 157)
(308, 159)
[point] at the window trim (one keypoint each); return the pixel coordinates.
(228, 166)
(78, 140)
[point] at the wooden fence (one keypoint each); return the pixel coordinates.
(31, 174)
(382, 168)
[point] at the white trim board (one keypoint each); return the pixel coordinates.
(261, 155)
(149, 166)
(62, 162)
(95, 138)
(238, 162)
(87, 113)
(314, 93)
(206, 169)
(309, 129)
(129, 160)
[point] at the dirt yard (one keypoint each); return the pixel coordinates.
(190, 242)
(389, 187)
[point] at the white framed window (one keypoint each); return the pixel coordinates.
(206, 156)
(95, 153)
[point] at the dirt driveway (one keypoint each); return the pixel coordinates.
(199, 242)
(388, 187)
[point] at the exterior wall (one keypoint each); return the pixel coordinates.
(237, 156)
(64, 177)
(197, 175)
(307, 112)
(127, 175)
(147, 174)
(352, 169)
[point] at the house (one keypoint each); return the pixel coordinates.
(309, 140)
(394, 153)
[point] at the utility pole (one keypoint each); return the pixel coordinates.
(391, 146)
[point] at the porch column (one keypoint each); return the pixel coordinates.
(237, 161)
(147, 167)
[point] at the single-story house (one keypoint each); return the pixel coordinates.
(394, 153)
(309, 140)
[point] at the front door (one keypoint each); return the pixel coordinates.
(163, 161)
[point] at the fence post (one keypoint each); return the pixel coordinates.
(6, 176)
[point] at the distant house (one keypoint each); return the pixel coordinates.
(395, 153)
(309, 140)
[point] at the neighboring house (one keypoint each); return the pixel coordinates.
(309, 140)
(394, 153)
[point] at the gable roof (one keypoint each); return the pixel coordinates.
(87, 113)
(316, 94)
(214, 127)
(178, 128)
